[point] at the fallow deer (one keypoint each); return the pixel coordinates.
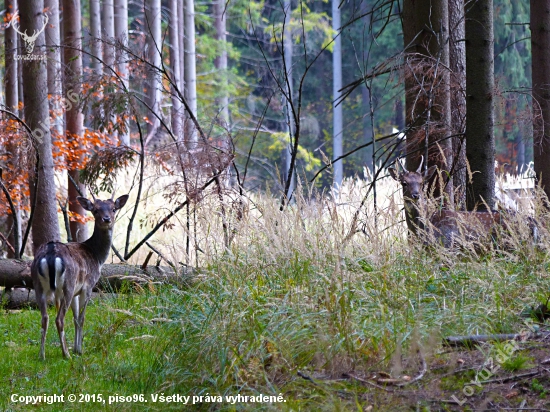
(69, 271)
(447, 224)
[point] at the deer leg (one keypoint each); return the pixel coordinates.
(75, 306)
(60, 323)
(85, 298)
(43, 305)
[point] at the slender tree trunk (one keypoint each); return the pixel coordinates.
(12, 103)
(220, 24)
(442, 99)
(45, 227)
(176, 113)
(190, 69)
(540, 48)
(95, 32)
(154, 45)
(54, 66)
(480, 141)
(108, 30)
(338, 126)
(291, 127)
(181, 41)
(121, 34)
(75, 119)
(457, 62)
(367, 127)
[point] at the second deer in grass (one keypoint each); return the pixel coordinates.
(447, 224)
(69, 272)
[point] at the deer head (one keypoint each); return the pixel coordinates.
(29, 40)
(412, 182)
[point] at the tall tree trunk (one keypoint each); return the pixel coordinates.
(426, 34)
(108, 26)
(540, 49)
(480, 141)
(367, 128)
(72, 31)
(291, 127)
(45, 227)
(121, 34)
(457, 62)
(220, 24)
(176, 113)
(154, 45)
(54, 65)
(181, 41)
(190, 69)
(95, 32)
(337, 124)
(12, 103)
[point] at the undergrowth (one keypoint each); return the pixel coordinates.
(298, 301)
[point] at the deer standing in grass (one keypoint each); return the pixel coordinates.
(447, 223)
(69, 272)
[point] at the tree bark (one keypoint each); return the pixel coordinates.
(181, 41)
(12, 103)
(480, 141)
(154, 45)
(540, 49)
(176, 112)
(457, 63)
(75, 119)
(337, 113)
(121, 34)
(95, 33)
(45, 227)
(426, 37)
(108, 26)
(190, 70)
(289, 118)
(55, 87)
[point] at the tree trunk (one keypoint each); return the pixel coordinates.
(427, 92)
(75, 119)
(12, 103)
(540, 49)
(95, 33)
(457, 62)
(154, 46)
(45, 227)
(121, 34)
(289, 118)
(367, 128)
(181, 41)
(337, 124)
(54, 66)
(174, 27)
(480, 141)
(190, 69)
(108, 26)
(220, 24)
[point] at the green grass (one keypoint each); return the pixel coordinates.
(292, 305)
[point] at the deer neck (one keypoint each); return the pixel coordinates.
(100, 243)
(412, 215)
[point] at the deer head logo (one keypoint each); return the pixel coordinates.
(29, 40)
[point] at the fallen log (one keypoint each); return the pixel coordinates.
(18, 298)
(114, 277)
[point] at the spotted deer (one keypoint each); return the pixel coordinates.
(69, 271)
(447, 224)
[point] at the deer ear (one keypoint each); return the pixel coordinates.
(429, 173)
(393, 173)
(121, 201)
(85, 203)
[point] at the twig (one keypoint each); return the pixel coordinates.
(33, 206)
(473, 339)
(16, 231)
(117, 253)
(144, 266)
(374, 385)
(420, 375)
(511, 378)
(8, 244)
(66, 218)
(160, 255)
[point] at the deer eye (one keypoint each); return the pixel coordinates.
(404, 184)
